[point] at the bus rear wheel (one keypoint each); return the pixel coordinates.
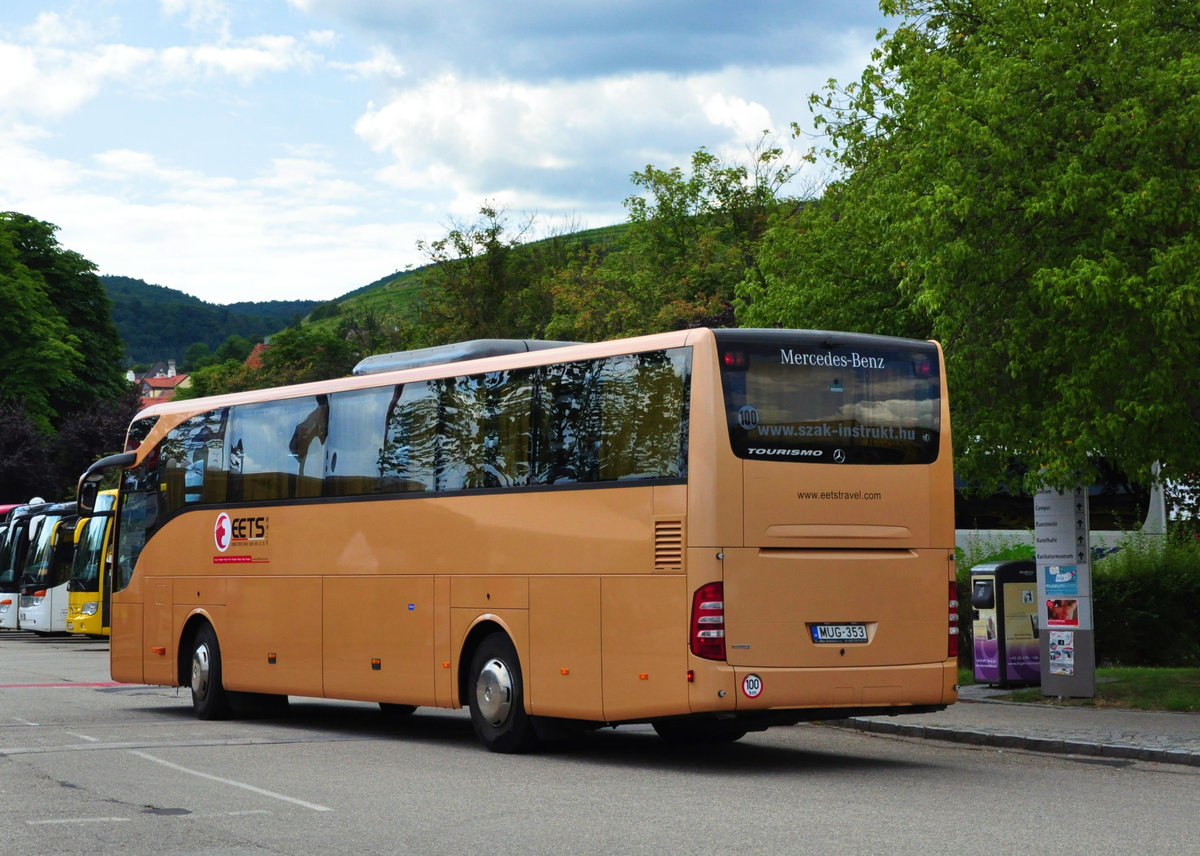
(496, 697)
(209, 699)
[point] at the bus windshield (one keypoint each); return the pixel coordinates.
(8, 557)
(41, 553)
(830, 397)
(85, 575)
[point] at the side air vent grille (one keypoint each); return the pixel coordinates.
(668, 545)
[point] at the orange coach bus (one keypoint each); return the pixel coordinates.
(713, 531)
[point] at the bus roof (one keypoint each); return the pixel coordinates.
(429, 370)
(455, 352)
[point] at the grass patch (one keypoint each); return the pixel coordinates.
(1131, 688)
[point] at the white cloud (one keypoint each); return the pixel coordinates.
(244, 60)
(568, 144)
(50, 28)
(381, 64)
(52, 82)
(201, 15)
(744, 118)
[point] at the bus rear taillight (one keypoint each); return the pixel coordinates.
(708, 622)
(952, 647)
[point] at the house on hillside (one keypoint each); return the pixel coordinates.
(160, 383)
(254, 361)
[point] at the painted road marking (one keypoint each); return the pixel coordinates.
(77, 820)
(234, 784)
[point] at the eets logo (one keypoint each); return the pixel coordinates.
(222, 532)
(239, 530)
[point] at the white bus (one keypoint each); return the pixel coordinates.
(44, 594)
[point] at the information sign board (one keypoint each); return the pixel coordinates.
(1062, 552)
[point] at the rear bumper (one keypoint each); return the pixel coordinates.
(825, 693)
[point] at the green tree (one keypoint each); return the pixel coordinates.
(37, 348)
(197, 356)
(220, 378)
(694, 237)
(1030, 174)
(90, 433)
(478, 285)
(74, 290)
(369, 331)
(819, 267)
(234, 348)
(24, 455)
(302, 354)
(60, 357)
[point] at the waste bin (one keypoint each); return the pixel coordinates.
(1004, 619)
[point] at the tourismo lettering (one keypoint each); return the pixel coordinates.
(787, 453)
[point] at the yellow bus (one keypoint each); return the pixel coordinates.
(712, 531)
(88, 589)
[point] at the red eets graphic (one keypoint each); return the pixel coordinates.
(221, 532)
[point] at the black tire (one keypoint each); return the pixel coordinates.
(496, 696)
(698, 732)
(209, 699)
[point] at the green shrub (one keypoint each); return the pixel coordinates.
(997, 548)
(1146, 603)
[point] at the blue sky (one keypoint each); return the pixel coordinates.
(298, 149)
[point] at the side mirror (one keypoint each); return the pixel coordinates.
(89, 482)
(87, 493)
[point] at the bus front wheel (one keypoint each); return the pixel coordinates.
(497, 697)
(209, 699)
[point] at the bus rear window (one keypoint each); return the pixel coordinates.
(830, 398)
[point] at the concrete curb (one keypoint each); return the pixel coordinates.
(1003, 740)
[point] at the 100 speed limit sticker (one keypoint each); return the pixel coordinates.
(752, 686)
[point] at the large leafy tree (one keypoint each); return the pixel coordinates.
(63, 399)
(25, 456)
(37, 348)
(78, 303)
(1026, 175)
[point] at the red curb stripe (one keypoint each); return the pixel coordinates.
(56, 686)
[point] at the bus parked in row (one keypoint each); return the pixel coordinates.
(47, 571)
(89, 587)
(712, 531)
(13, 550)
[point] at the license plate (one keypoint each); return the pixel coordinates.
(838, 632)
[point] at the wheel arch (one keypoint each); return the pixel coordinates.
(483, 627)
(183, 651)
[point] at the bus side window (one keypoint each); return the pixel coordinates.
(508, 428)
(357, 424)
(276, 450)
(644, 416)
(569, 424)
(409, 459)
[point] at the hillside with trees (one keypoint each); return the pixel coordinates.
(158, 323)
